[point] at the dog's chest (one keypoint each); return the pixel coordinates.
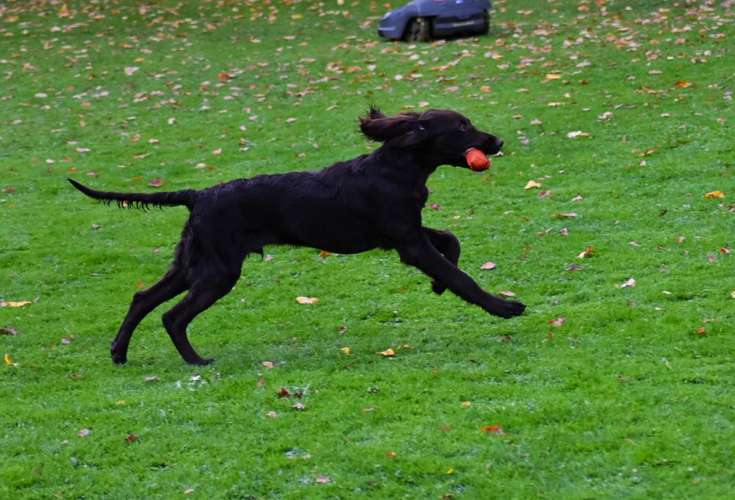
(421, 194)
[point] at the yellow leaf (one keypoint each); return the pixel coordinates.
(553, 76)
(306, 300)
(712, 195)
(682, 84)
(388, 353)
(11, 303)
(345, 350)
(532, 184)
(8, 359)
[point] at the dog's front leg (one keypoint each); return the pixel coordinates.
(421, 254)
(448, 246)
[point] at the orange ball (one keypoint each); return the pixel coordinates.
(477, 160)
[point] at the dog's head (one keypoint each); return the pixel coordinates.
(443, 136)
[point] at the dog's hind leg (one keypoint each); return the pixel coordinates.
(172, 284)
(448, 246)
(202, 294)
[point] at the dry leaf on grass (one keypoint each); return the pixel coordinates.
(306, 300)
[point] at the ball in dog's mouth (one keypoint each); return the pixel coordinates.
(477, 160)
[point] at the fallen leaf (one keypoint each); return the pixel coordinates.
(388, 353)
(272, 414)
(323, 480)
(532, 184)
(13, 303)
(557, 322)
(268, 364)
(224, 76)
(306, 300)
(552, 76)
(566, 215)
(298, 406)
(8, 330)
(493, 429)
(732, 294)
(131, 438)
(8, 360)
(564, 231)
(283, 392)
(488, 266)
(156, 182)
(131, 70)
(85, 432)
(629, 283)
(713, 195)
(466, 404)
(507, 293)
(324, 253)
(391, 454)
(682, 84)
(587, 252)
(701, 331)
(151, 378)
(345, 350)
(576, 134)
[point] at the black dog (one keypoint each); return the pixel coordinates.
(372, 201)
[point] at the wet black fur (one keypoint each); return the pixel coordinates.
(372, 201)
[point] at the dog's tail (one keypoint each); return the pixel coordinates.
(186, 197)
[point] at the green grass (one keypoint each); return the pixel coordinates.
(625, 399)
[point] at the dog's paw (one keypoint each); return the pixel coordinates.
(509, 309)
(200, 361)
(119, 358)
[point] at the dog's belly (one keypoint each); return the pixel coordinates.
(334, 232)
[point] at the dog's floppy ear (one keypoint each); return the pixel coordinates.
(404, 130)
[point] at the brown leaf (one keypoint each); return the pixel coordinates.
(587, 252)
(682, 84)
(493, 429)
(388, 353)
(532, 185)
(283, 392)
(8, 330)
(566, 215)
(713, 195)
(131, 438)
(557, 322)
(156, 182)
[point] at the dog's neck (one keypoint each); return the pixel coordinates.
(407, 166)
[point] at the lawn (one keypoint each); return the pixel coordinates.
(610, 215)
